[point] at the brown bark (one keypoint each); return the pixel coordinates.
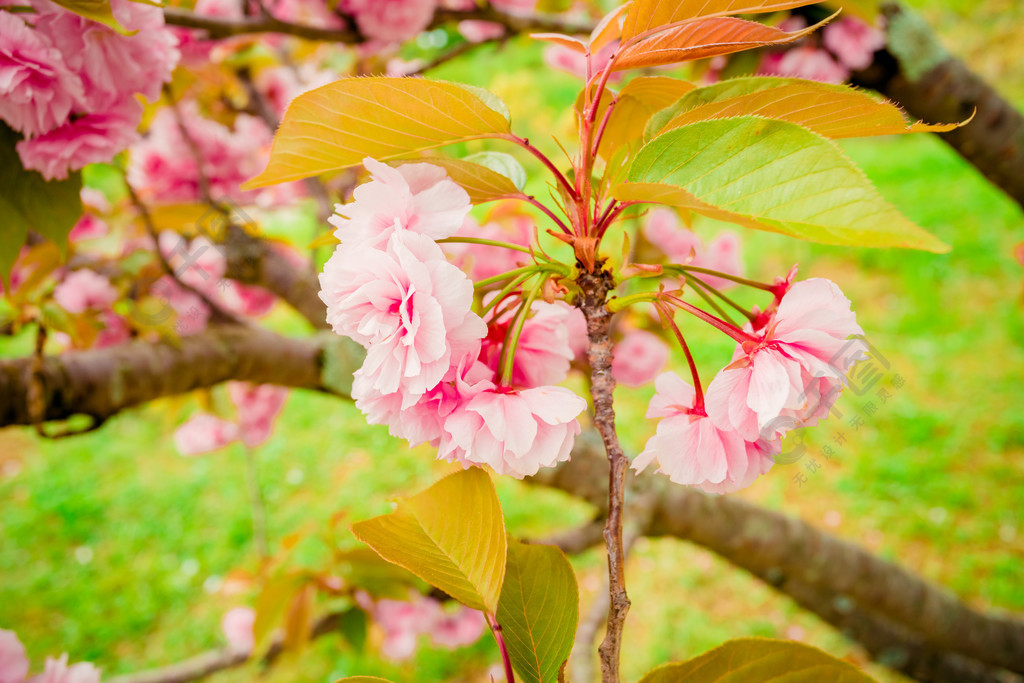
(916, 72)
(594, 288)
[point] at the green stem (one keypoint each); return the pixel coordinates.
(512, 339)
(505, 291)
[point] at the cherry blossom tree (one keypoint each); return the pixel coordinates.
(496, 338)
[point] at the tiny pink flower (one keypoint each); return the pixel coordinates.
(853, 42)
(258, 406)
(418, 198)
(514, 432)
(691, 450)
(237, 626)
(58, 671)
(204, 433)
(390, 21)
(638, 358)
(37, 89)
(13, 662)
(84, 289)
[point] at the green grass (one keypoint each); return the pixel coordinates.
(111, 542)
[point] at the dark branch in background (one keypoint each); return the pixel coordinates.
(917, 72)
(220, 27)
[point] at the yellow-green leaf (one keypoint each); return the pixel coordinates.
(701, 39)
(337, 125)
(646, 15)
(97, 10)
(28, 202)
(538, 611)
(636, 103)
(485, 177)
(757, 660)
(769, 175)
(835, 111)
(452, 536)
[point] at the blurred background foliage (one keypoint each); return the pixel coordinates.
(118, 550)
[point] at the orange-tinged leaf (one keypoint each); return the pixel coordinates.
(769, 175)
(337, 125)
(637, 102)
(298, 622)
(647, 15)
(574, 44)
(609, 28)
(835, 111)
(701, 39)
(755, 660)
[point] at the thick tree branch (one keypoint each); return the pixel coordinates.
(932, 85)
(100, 383)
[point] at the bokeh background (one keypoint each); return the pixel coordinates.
(119, 551)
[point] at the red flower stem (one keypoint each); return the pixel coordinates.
(731, 330)
(604, 124)
(559, 176)
(496, 630)
(666, 316)
(608, 219)
(549, 213)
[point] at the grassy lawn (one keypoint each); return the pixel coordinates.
(116, 549)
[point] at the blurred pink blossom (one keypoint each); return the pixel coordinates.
(390, 21)
(853, 42)
(543, 353)
(805, 61)
(13, 661)
(58, 671)
(84, 289)
(237, 626)
(258, 406)
(204, 433)
(638, 358)
(681, 245)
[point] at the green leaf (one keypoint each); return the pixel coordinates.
(835, 111)
(353, 626)
(29, 202)
(769, 175)
(636, 103)
(452, 536)
(758, 660)
(538, 611)
(502, 164)
(339, 124)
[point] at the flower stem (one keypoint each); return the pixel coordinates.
(725, 276)
(505, 291)
(512, 340)
(492, 243)
(666, 316)
(506, 662)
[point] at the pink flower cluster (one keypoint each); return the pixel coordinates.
(429, 372)
(69, 84)
(14, 665)
(664, 230)
(785, 376)
(256, 409)
(390, 21)
(850, 45)
(403, 622)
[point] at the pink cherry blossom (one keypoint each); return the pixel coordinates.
(13, 662)
(574, 62)
(479, 31)
(794, 369)
(204, 433)
(115, 331)
(576, 324)
(258, 406)
(482, 261)
(311, 12)
(419, 198)
(93, 138)
(198, 262)
(514, 432)
(664, 230)
(401, 620)
(408, 305)
(638, 358)
(691, 450)
(237, 625)
(282, 84)
(390, 21)
(58, 671)
(460, 629)
(247, 300)
(853, 42)
(88, 227)
(37, 89)
(84, 289)
(808, 62)
(543, 352)
(113, 67)
(514, 6)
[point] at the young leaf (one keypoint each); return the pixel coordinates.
(609, 28)
(769, 175)
(452, 536)
(538, 611)
(755, 660)
(341, 123)
(835, 111)
(701, 39)
(28, 202)
(645, 15)
(636, 103)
